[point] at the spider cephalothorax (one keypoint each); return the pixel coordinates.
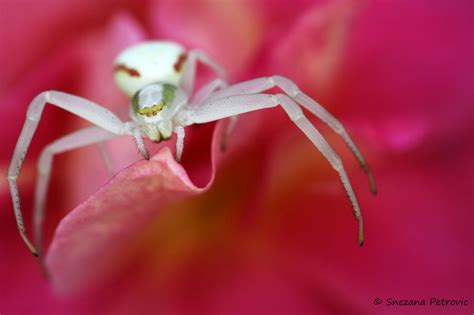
(153, 108)
(159, 76)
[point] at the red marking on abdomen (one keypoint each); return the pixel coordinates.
(131, 72)
(179, 63)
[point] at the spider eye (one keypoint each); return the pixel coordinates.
(151, 110)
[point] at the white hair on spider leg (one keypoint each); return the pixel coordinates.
(159, 78)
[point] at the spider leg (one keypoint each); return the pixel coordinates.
(179, 130)
(189, 75)
(83, 108)
(74, 140)
(137, 135)
(239, 104)
(292, 90)
(207, 90)
(204, 93)
(105, 155)
(228, 130)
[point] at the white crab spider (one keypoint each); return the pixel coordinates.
(159, 78)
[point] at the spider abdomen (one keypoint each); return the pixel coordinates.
(149, 62)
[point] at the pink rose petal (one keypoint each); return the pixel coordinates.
(92, 235)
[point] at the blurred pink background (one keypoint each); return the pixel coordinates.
(274, 234)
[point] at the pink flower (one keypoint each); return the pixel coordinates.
(263, 228)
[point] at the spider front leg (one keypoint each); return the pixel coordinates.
(292, 90)
(81, 107)
(238, 104)
(74, 140)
